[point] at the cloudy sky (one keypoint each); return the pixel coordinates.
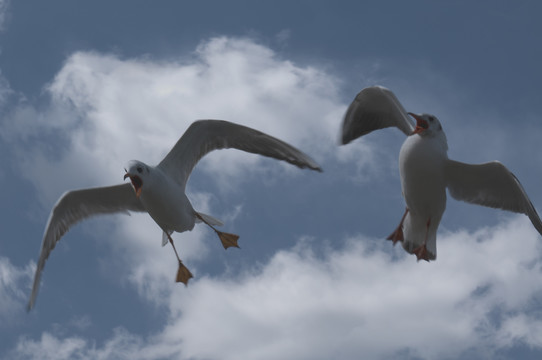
(87, 86)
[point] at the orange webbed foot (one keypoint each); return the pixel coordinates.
(421, 253)
(183, 274)
(228, 240)
(397, 235)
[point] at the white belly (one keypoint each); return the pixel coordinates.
(421, 165)
(168, 206)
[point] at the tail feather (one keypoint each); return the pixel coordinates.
(209, 219)
(165, 237)
(415, 231)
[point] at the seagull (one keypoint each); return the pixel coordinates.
(426, 171)
(160, 190)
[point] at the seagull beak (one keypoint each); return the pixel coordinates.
(136, 183)
(421, 124)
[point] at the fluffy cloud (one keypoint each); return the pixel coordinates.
(106, 110)
(308, 302)
(12, 281)
(359, 300)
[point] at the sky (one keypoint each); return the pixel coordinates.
(87, 86)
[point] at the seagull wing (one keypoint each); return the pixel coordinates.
(75, 206)
(374, 108)
(204, 136)
(490, 184)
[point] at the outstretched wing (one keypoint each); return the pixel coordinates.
(374, 108)
(204, 136)
(75, 206)
(490, 184)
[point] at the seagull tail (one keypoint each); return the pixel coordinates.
(209, 219)
(416, 234)
(165, 237)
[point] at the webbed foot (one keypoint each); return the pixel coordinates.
(183, 274)
(422, 253)
(397, 235)
(227, 239)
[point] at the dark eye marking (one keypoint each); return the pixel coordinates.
(431, 118)
(139, 169)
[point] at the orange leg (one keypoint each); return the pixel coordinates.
(421, 251)
(397, 235)
(227, 239)
(183, 274)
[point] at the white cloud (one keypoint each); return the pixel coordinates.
(359, 300)
(12, 279)
(106, 110)
(4, 5)
(362, 300)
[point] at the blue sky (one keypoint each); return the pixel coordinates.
(87, 86)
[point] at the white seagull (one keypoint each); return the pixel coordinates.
(160, 190)
(426, 171)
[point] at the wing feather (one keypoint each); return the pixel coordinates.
(490, 184)
(374, 108)
(78, 205)
(204, 136)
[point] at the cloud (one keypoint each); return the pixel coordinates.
(4, 5)
(106, 110)
(12, 279)
(361, 300)
(139, 258)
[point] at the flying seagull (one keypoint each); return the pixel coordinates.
(426, 171)
(160, 190)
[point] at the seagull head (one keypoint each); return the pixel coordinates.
(137, 172)
(426, 124)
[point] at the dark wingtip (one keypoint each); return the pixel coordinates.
(314, 166)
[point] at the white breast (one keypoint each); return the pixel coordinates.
(167, 203)
(421, 166)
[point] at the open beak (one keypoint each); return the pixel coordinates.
(421, 124)
(136, 183)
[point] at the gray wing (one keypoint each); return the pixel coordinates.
(490, 184)
(204, 136)
(75, 206)
(374, 108)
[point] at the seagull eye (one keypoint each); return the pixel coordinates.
(431, 118)
(139, 169)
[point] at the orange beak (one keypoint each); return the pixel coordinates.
(421, 124)
(136, 183)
